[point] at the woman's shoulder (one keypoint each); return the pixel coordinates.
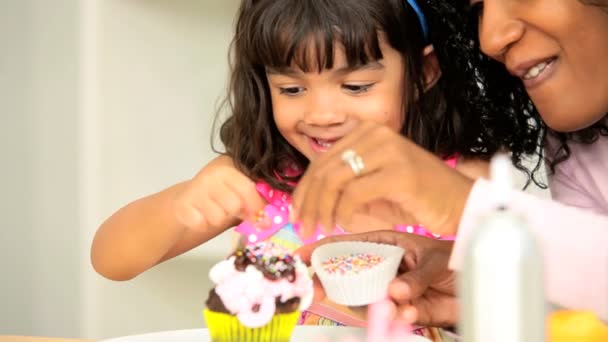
(590, 157)
(595, 151)
(581, 179)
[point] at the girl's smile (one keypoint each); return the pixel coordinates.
(322, 145)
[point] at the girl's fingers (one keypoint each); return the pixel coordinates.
(187, 214)
(244, 188)
(231, 202)
(210, 214)
(224, 200)
(216, 197)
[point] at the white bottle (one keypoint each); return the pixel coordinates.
(501, 282)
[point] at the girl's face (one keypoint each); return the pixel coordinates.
(559, 48)
(314, 110)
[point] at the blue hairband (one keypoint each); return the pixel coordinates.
(421, 18)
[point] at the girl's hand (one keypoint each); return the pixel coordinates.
(217, 197)
(395, 170)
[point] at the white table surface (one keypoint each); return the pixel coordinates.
(301, 333)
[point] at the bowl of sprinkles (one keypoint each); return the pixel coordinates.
(356, 273)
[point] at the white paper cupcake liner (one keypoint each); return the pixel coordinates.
(357, 289)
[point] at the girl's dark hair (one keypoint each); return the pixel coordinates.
(495, 111)
(454, 116)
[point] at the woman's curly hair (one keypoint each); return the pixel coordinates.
(497, 114)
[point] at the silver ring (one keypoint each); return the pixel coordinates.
(352, 159)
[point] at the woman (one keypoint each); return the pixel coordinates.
(558, 51)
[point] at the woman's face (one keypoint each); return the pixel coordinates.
(559, 48)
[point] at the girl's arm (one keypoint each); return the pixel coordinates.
(166, 224)
(574, 244)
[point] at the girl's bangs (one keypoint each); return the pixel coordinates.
(294, 33)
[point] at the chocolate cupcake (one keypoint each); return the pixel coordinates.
(259, 294)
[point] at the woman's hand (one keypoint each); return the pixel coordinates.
(424, 289)
(395, 170)
(217, 197)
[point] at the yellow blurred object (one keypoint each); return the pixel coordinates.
(573, 326)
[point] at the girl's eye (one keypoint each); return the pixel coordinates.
(357, 88)
(291, 91)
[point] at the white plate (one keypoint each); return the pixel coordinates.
(301, 333)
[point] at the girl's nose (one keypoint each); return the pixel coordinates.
(324, 111)
(499, 29)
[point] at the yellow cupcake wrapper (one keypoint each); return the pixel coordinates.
(227, 328)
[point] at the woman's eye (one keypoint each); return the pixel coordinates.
(291, 91)
(357, 88)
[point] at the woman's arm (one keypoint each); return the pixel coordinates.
(394, 170)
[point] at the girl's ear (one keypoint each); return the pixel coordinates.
(432, 70)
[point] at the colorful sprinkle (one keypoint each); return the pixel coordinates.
(272, 260)
(352, 263)
(261, 220)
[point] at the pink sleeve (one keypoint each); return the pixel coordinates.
(579, 181)
(574, 244)
(567, 190)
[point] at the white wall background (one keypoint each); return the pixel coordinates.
(154, 71)
(39, 256)
(101, 102)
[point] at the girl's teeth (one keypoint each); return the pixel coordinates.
(535, 71)
(323, 143)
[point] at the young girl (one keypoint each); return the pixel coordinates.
(305, 74)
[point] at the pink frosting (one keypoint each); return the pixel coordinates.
(242, 291)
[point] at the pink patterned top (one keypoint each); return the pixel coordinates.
(273, 222)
